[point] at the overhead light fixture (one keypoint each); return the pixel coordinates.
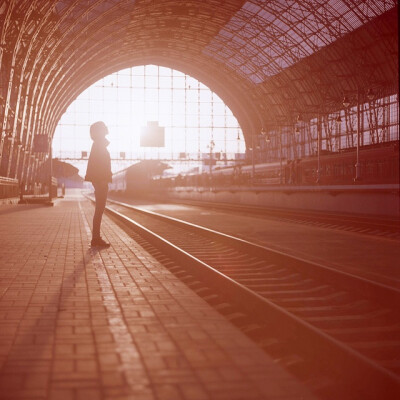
(370, 94)
(346, 101)
(267, 139)
(263, 131)
(297, 130)
(338, 119)
(299, 118)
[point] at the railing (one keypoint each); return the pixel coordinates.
(8, 188)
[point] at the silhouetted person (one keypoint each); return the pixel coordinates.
(99, 173)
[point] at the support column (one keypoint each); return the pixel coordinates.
(319, 147)
(358, 165)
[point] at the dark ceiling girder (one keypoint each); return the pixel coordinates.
(296, 87)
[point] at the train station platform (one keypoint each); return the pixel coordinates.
(79, 323)
(374, 200)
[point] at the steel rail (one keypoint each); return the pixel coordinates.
(389, 225)
(358, 370)
(379, 292)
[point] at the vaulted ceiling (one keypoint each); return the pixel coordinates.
(268, 60)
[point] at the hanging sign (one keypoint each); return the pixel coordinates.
(152, 135)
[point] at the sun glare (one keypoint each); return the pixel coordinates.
(193, 117)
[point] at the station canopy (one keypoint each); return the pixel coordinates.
(268, 60)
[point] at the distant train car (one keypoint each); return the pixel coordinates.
(118, 184)
(264, 174)
(269, 173)
(138, 178)
(379, 165)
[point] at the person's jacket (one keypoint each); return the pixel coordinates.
(99, 164)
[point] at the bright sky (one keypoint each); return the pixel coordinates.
(126, 100)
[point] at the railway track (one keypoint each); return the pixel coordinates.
(344, 323)
(366, 225)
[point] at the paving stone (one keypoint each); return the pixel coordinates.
(79, 323)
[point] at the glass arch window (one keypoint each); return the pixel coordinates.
(193, 117)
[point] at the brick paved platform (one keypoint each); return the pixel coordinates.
(112, 324)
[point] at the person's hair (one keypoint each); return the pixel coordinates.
(97, 130)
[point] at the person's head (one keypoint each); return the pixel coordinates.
(98, 130)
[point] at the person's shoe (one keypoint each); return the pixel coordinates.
(99, 243)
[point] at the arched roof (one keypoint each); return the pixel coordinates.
(267, 60)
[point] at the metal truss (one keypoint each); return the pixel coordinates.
(379, 124)
(263, 38)
(266, 59)
(185, 114)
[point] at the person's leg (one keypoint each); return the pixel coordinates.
(100, 194)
